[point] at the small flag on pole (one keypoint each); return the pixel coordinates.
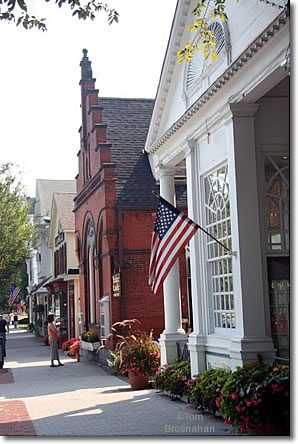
(171, 233)
(20, 306)
(14, 291)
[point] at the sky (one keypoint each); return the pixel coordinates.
(40, 111)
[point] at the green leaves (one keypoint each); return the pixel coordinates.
(16, 230)
(17, 11)
(204, 42)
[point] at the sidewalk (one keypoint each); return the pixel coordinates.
(81, 399)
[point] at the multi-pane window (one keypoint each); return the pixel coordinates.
(277, 202)
(218, 224)
(279, 292)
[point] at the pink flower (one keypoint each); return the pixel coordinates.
(245, 419)
(276, 388)
(243, 427)
(248, 403)
(256, 401)
(234, 396)
(218, 401)
(240, 409)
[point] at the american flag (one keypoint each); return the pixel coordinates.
(14, 291)
(171, 233)
(20, 306)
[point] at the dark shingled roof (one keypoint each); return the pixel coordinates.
(127, 126)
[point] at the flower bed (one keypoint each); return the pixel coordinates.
(174, 379)
(255, 396)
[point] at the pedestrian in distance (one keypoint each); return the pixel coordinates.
(53, 339)
(4, 328)
(15, 321)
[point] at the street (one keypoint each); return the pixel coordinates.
(81, 399)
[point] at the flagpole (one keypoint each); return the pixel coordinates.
(233, 253)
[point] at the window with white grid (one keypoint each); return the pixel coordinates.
(277, 202)
(218, 224)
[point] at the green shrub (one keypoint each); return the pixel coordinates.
(38, 308)
(205, 393)
(257, 395)
(174, 378)
(90, 336)
(37, 326)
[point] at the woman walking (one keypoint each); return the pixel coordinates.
(53, 338)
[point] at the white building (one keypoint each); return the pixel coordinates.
(41, 257)
(228, 121)
(64, 286)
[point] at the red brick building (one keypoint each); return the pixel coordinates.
(114, 212)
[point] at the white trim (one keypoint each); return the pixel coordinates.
(247, 56)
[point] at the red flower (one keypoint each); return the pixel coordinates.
(240, 409)
(234, 396)
(227, 421)
(243, 428)
(276, 388)
(256, 401)
(218, 401)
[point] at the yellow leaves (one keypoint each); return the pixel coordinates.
(205, 41)
(196, 47)
(192, 27)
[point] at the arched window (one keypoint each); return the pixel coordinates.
(277, 201)
(198, 70)
(218, 224)
(91, 272)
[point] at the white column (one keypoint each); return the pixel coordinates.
(197, 339)
(173, 331)
(248, 273)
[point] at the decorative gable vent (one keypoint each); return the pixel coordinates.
(197, 64)
(194, 68)
(218, 31)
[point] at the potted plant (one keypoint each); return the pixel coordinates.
(74, 349)
(90, 341)
(136, 354)
(66, 344)
(255, 399)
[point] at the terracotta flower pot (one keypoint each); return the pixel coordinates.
(138, 382)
